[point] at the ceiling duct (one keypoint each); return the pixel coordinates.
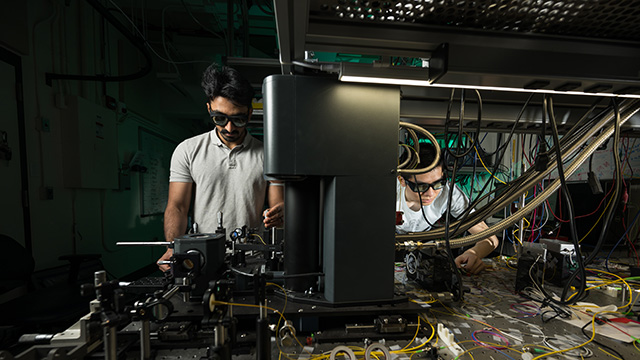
(583, 70)
(585, 47)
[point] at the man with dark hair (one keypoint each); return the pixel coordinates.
(222, 168)
(423, 199)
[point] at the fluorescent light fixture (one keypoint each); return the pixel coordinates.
(416, 76)
(393, 75)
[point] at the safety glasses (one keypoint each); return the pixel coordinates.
(221, 119)
(424, 187)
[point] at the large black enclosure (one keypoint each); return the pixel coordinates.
(336, 145)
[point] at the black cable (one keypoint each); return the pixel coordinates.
(459, 295)
(474, 169)
(599, 343)
(514, 185)
(565, 142)
(618, 177)
(572, 221)
(457, 155)
(499, 160)
(424, 215)
(272, 276)
(616, 195)
(526, 180)
(449, 251)
(240, 272)
(245, 19)
(578, 124)
(542, 158)
(136, 41)
(186, 7)
(466, 152)
(503, 147)
(268, 11)
(559, 142)
(298, 275)
(532, 148)
(447, 239)
(628, 162)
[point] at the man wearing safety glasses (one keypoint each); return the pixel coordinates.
(222, 168)
(423, 200)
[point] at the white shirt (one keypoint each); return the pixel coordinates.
(414, 220)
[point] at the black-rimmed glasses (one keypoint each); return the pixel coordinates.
(424, 187)
(221, 119)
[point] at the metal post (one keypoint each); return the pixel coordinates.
(145, 340)
(110, 343)
(522, 199)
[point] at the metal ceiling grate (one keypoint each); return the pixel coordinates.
(612, 19)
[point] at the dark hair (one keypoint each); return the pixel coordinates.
(428, 154)
(228, 83)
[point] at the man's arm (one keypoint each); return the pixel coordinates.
(471, 259)
(175, 215)
(274, 215)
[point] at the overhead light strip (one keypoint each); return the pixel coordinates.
(385, 76)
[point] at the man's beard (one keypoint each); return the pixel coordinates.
(230, 136)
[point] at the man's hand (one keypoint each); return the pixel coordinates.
(274, 216)
(470, 262)
(165, 257)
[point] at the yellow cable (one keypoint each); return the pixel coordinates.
(409, 148)
(268, 308)
(259, 238)
(593, 335)
(537, 346)
(511, 267)
(467, 318)
(597, 221)
(282, 316)
(468, 351)
(484, 166)
(607, 283)
(414, 335)
(481, 161)
(433, 330)
(621, 279)
(504, 346)
(260, 307)
(608, 353)
(514, 235)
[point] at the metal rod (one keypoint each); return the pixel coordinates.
(145, 340)
(144, 243)
(219, 336)
(273, 241)
(110, 343)
(170, 293)
(523, 167)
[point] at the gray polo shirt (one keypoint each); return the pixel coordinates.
(227, 180)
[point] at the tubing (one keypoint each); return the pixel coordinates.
(435, 145)
(537, 201)
(500, 226)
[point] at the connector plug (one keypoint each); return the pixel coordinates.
(447, 338)
(594, 183)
